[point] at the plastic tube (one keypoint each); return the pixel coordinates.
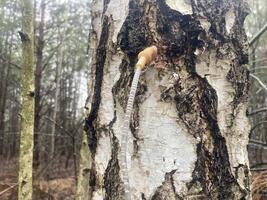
(145, 57)
(125, 134)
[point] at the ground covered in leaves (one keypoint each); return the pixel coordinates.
(56, 182)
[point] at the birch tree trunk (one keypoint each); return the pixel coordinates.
(27, 107)
(189, 129)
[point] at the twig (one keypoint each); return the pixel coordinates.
(252, 141)
(9, 188)
(259, 60)
(259, 169)
(257, 111)
(254, 127)
(11, 63)
(61, 127)
(259, 81)
(258, 35)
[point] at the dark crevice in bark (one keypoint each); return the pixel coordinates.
(167, 190)
(139, 99)
(133, 35)
(143, 196)
(178, 33)
(106, 2)
(214, 11)
(112, 181)
(99, 71)
(212, 168)
(89, 127)
(238, 75)
(243, 169)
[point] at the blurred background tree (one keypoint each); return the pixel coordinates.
(61, 35)
(258, 66)
(257, 109)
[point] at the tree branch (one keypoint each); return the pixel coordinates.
(258, 35)
(259, 81)
(257, 111)
(254, 127)
(11, 63)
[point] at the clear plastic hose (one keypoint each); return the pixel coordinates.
(125, 134)
(145, 57)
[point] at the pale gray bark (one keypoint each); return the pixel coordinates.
(189, 129)
(27, 107)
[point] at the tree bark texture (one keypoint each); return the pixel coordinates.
(27, 107)
(189, 129)
(84, 171)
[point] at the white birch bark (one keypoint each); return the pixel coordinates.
(189, 130)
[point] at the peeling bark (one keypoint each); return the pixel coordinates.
(189, 126)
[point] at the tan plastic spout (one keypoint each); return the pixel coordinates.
(146, 56)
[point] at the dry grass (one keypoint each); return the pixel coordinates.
(259, 185)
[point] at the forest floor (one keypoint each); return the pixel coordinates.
(57, 182)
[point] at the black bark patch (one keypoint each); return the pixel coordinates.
(238, 75)
(121, 88)
(99, 70)
(112, 181)
(214, 11)
(167, 189)
(179, 33)
(106, 2)
(197, 107)
(133, 34)
(24, 37)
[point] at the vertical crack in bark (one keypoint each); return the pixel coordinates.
(197, 107)
(89, 121)
(106, 2)
(99, 70)
(112, 181)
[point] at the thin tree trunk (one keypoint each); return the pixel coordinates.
(27, 107)
(3, 92)
(82, 191)
(58, 78)
(38, 84)
(189, 129)
(6, 145)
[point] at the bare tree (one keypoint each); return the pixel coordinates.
(27, 107)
